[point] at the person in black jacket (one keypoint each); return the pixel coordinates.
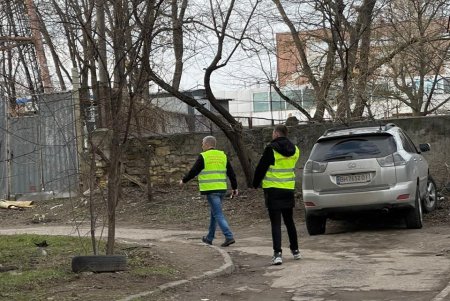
(275, 171)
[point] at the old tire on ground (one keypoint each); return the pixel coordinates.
(315, 224)
(99, 263)
(430, 202)
(414, 216)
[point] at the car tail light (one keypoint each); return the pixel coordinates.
(310, 204)
(315, 167)
(403, 197)
(392, 160)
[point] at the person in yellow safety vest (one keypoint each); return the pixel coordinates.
(212, 168)
(276, 172)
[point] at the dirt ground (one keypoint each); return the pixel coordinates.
(171, 208)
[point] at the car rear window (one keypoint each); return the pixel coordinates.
(352, 148)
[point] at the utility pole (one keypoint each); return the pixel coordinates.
(36, 38)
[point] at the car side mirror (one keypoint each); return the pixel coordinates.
(424, 147)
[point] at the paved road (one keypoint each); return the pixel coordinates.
(382, 264)
(347, 264)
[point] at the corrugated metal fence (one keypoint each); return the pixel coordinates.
(38, 152)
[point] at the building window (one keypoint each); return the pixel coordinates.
(277, 103)
(294, 95)
(446, 84)
(260, 102)
(309, 98)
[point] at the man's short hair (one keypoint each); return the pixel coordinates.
(281, 129)
(210, 140)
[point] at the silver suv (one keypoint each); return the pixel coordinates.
(366, 168)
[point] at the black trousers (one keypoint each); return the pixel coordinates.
(275, 221)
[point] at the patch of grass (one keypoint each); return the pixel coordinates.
(24, 282)
(28, 274)
(164, 271)
(143, 262)
(27, 267)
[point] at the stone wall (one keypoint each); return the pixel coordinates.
(172, 156)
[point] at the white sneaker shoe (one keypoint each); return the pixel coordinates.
(296, 254)
(277, 259)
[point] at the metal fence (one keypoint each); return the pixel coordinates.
(38, 150)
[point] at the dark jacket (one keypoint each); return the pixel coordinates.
(199, 165)
(275, 198)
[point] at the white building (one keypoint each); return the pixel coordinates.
(260, 105)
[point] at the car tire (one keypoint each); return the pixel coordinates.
(414, 217)
(315, 224)
(99, 263)
(430, 201)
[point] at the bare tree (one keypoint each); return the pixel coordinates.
(227, 24)
(136, 35)
(108, 48)
(260, 50)
(320, 82)
(417, 71)
(19, 62)
(347, 59)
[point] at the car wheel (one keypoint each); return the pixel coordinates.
(414, 217)
(315, 224)
(99, 263)
(430, 201)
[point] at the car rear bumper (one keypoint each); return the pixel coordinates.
(401, 195)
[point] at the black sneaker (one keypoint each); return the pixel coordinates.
(277, 258)
(227, 242)
(296, 254)
(206, 240)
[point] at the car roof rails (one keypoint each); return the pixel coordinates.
(383, 127)
(388, 126)
(345, 127)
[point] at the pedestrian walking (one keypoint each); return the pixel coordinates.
(212, 168)
(276, 172)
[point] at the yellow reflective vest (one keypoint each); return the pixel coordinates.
(282, 174)
(214, 175)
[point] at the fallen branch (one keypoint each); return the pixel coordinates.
(15, 204)
(136, 181)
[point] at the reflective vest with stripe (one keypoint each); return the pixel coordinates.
(214, 175)
(282, 173)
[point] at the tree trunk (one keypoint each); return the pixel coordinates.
(237, 141)
(114, 176)
(321, 103)
(177, 33)
(103, 103)
(364, 53)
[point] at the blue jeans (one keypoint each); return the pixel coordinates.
(217, 217)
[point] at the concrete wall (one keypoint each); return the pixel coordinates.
(173, 155)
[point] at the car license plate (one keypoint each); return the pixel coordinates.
(353, 178)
